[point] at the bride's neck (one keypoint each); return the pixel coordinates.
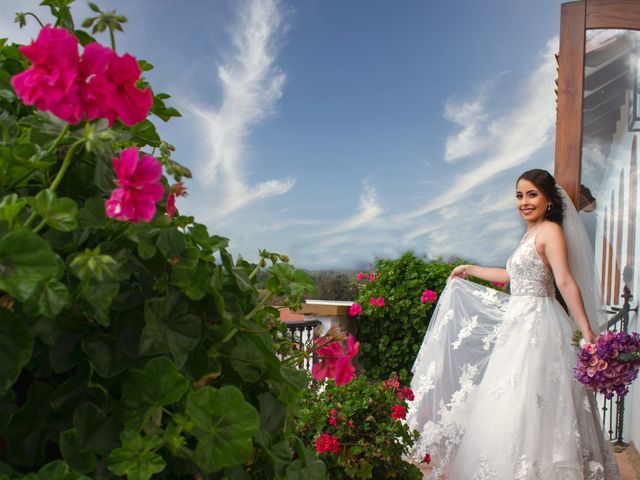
(531, 226)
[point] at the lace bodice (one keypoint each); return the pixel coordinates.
(529, 276)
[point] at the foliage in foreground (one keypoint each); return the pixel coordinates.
(358, 431)
(391, 328)
(128, 348)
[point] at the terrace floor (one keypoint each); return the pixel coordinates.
(628, 461)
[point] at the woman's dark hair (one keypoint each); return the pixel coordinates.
(545, 182)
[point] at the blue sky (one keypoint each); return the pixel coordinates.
(341, 131)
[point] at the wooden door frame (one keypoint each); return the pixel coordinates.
(575, 19)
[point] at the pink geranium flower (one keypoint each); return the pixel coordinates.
(355, 310)
(98, 84)
(372, 277)
(498, 284)
(50, 82)
(376, 302)
(361, 276)
(428, 296)
(139, 187)
(110, 86)
(335, 361)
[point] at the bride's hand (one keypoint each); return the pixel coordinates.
(459, 271)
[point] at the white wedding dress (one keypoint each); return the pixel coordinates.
(494, 393)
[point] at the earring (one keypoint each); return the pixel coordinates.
(548, 207)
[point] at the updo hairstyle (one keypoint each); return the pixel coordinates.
(545, 182)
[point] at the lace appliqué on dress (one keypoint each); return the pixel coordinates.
(465, 331)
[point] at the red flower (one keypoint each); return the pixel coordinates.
(332, 418)
(361, 276)
(140, 188)
(427, 459)
(498, 284)
(50, 82)
(405, 394)
(327, 443)
(391, 383)
(350, 424)
(171, 205)
(398, 412)
(372, 277)
(335, 362)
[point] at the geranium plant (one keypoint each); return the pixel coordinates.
(394, 306)
(358, 429)
(133, 344)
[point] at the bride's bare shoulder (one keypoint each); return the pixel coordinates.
(551, 231)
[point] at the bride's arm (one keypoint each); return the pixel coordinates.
(484, 273)
(554, 247)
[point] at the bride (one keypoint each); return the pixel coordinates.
(494, 394)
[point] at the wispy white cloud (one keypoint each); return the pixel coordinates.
(368, 209)
(471, 116)
(251, 84)
(515, 135)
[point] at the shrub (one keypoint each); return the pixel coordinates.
(395, 318)
(133, 344)
(358, 430)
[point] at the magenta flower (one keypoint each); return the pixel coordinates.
(361, 276)
(98, 84)
(50, 82)
(498, 284)
(373, 302)
(355, 310)
(335, 362)
(110, 87)
(428, 296)
(139, 187)
(372, 277)
(380, 301)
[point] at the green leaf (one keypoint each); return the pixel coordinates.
(92, 432)
(58, 213)
(104, 354)
(145, 132)
(136, 458)
(27, 434)
(144, 65)
(26, 261)
(171, 242)
(157, 385)
(10, 207)
(58, 470)
(169, 328)
(92, 214)
(16, 344)
(52, 298)
(272, 413)
(228, 423)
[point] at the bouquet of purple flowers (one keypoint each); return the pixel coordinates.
(610, 364)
